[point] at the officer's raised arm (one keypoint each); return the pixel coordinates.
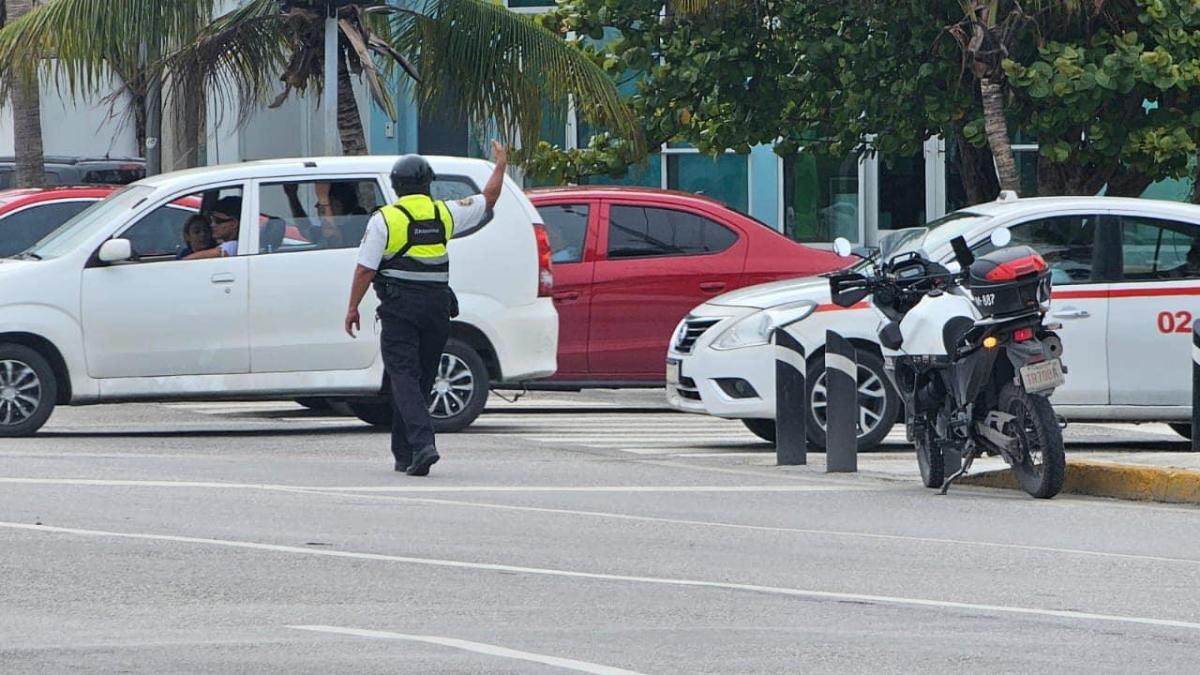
(491, 191)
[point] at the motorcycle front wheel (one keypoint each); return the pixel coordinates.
(929, 457)
(1040, 464)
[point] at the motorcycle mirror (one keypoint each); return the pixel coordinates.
(841, 246)
(1001, 237)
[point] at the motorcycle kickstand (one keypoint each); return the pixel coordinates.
(966, 466)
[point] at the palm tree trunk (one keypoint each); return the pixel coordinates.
(350, 126)
(996, 125)
(189, 125)
(27, 117)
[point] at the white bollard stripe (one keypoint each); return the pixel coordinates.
(1196, 355)
(841, 363)
(790, 357)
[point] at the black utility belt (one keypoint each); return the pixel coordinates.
(386, 285)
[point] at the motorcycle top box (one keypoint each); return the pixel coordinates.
(1009, 282)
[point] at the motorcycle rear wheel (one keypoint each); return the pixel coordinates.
(929, 457)
(1041, 464)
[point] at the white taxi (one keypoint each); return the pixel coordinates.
(1126, 275)
(110, 307)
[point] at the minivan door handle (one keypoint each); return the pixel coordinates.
(567, 296)
(1072, 313)
(223, 278)
(712, 286)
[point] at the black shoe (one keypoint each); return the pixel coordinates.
(427, 457)
(401, 467)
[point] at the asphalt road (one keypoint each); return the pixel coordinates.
(259, 538)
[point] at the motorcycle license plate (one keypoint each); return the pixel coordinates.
(672, 372)
(1042, 376)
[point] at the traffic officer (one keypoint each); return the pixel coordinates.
(404, 253)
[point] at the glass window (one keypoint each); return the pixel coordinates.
(635, 231)
(566, 227)
(820, 198)
(161, 235)
(901, 192)
(727, 177)
(308, 215)
(24, 228)
(114, 176)
(646, 174)
(1068, 243)
(449, 188)
(1159, 249)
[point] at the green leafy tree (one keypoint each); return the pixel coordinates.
(1105, 86)
(494, 64)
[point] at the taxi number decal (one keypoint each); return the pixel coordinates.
(1174, 322)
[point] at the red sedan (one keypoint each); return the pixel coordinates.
(630, 263)
(27, 215)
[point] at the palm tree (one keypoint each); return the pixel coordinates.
(496, 65)
(27, 112)
(987, 32)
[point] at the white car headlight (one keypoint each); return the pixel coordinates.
(755, 330)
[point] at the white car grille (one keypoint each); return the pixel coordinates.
(693, 328)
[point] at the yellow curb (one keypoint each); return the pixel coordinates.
(1109, 479)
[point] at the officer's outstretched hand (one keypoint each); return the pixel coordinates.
(352, 323)
(500, 152)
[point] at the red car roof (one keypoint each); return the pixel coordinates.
(20, 197)
(594, 191)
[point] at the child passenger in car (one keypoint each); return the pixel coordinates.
(197, 236)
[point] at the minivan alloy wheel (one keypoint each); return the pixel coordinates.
(452, 388)
(20, 392)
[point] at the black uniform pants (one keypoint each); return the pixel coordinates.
(416, 324)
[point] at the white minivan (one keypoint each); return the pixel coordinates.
(108, 308)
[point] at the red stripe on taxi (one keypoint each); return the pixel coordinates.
(834, 308)
(1123, 293)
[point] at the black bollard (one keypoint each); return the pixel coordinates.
(1195, 385)
(841, 405)
(791, 408)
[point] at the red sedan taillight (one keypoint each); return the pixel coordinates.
(545, 275)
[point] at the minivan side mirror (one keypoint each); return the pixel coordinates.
(115, 250)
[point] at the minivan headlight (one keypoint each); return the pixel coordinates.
(755, 330)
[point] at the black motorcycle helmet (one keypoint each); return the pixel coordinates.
(411, 175)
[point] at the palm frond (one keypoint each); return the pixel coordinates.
(354, 33)
(241, 56)
(494, 64)
(84, 36)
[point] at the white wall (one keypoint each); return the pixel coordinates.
(80, 127)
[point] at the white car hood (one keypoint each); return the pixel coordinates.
(776, 293)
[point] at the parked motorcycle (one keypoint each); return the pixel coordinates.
(970, 355)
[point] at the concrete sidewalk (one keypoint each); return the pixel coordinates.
(1156, 465)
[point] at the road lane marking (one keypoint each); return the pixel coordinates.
(98, 482)
(900, 601)
(477, 647)
(761, 528)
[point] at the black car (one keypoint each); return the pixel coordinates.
(80, 170)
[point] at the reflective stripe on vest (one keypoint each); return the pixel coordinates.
(418, 230)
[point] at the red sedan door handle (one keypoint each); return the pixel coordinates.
(712, 286)
(566, 296)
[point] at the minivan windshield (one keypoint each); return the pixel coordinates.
(69, 236)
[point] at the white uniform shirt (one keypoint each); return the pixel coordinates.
(468, 214)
